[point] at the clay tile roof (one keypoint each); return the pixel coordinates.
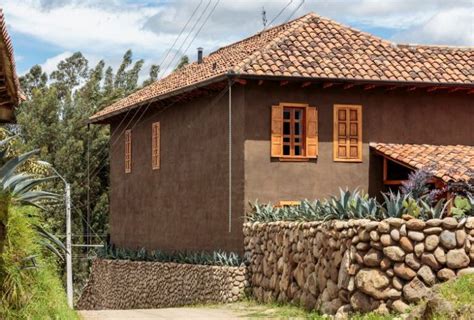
(449, 163)
(7, 63)
(315, 47)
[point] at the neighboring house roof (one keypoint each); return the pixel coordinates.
(449, 163)
(314, 47)
(10, 92)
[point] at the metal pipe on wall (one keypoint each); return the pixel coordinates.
(230, 156)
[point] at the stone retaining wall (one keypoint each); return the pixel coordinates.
(357, 265)
(122, 284)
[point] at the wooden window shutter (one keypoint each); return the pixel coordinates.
(155, 146)
(128, 151)
(277, 131)
(347, 133)
(311, 132)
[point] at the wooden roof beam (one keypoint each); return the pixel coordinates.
(327, 85)
(369, 87)
(391, 88)
(456, 89)
(348, 86)
(306, 84)
(434, 89)
(241, 81)
(413, 88)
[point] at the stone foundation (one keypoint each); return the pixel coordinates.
(121, 284)
(357, 265)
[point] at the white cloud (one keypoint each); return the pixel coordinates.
(50, 64)
(74, 26)
(107, 28)
(450, 27)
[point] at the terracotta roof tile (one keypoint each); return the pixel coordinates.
(8, 61)
(449, 163)
(331, 49)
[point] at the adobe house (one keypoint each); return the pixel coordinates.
(293, 112)
(10, 94)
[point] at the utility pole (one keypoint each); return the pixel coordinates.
(69, 289)
(67, 198)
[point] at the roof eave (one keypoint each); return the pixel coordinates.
(355, 80)
(102, 119)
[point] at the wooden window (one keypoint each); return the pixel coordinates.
(128, 151)
(347, 133)
(155, 146)
(294, 132)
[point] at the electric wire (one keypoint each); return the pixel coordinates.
(202, 25)
(186, 39)
(281, 11)
(294, 11)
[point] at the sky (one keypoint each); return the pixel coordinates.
(45, 32)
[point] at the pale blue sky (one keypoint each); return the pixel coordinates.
(46, 31)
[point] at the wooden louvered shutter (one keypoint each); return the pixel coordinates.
(155, 146)
(348, 133)
(311, 132)
(277, 131)
(128, 151)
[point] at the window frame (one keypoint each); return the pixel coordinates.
(292, 135)
(155, 145)
(336, 109)
(303, 106)
(128, 151)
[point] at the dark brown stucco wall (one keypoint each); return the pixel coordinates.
(184, 204)
(388, 116)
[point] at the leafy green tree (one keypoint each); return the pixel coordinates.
(153, 76)
(54, 120)
(182, 62)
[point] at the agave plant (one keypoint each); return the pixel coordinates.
(21, 189)
(393, 205)
(435, 212)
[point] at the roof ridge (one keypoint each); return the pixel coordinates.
(283, 34)
(440, 46)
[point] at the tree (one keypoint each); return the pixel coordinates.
(153, 76)
(182, 62)
(54, 120)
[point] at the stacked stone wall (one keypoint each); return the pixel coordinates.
(122, 284)
(356, 265)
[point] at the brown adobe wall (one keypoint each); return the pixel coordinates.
(395, 116)
(358, 264)
(123, 284)
(183, 206)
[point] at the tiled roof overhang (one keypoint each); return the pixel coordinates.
(10, 94)
(446, 162)
(316, 48)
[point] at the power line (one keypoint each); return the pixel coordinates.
(181, 32)
(190, 32)
(281, 11)
(148, 105)
(202, 25)
(294, 11)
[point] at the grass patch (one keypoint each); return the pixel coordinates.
(460, 292)
(251, 309)
(30, 287)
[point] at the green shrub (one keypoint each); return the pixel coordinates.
(357, 205)
(216, 258)
(30, 286)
